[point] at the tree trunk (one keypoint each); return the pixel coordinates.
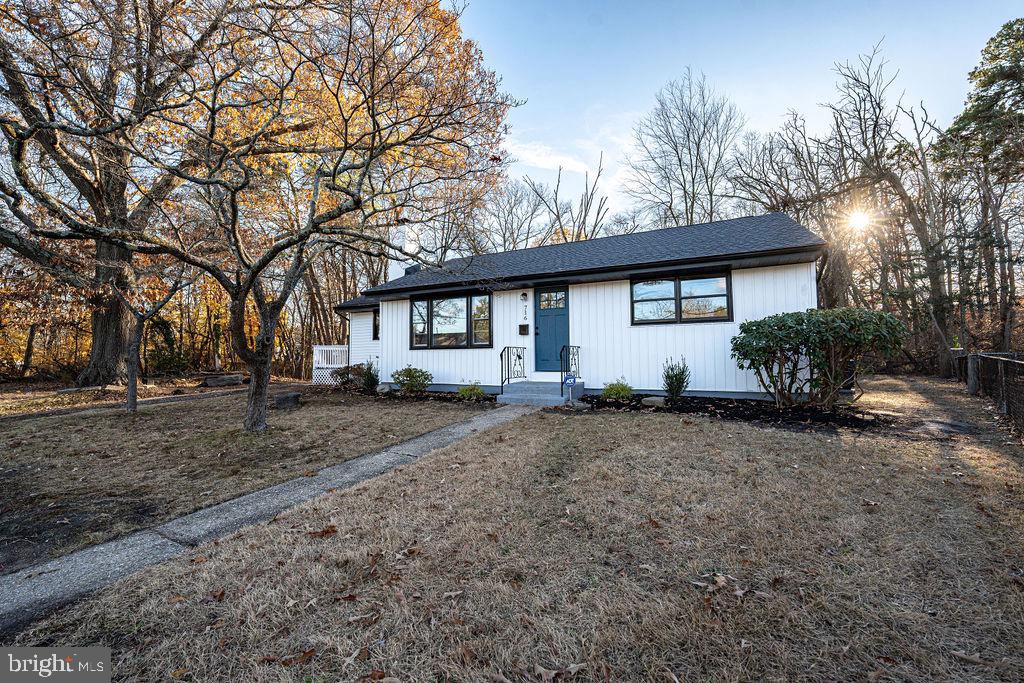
(26, 362)
(258, 359)
(216, 347)
(111, 321)
(259, 385)
(134, 345)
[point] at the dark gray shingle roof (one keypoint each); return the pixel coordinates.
(361, 301)
(752, 235)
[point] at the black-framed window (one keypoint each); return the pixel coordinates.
(376, 324)
(480, 320)
(681, 299)
(450, 322)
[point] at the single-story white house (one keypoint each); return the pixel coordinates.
(610, 308)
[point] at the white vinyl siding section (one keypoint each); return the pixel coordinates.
(458, 366)
(610, 346)
(361, 345)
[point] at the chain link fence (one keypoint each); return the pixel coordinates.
(1001, 378)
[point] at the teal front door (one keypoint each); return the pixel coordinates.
(551, 326)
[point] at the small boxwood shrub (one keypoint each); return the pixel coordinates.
(675, 378)
(369, 377)
(412, 380)
(359, 377)
(617, 390)
(811, 355)
(472, 392)
(343, 375)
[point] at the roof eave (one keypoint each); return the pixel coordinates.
(342, 308)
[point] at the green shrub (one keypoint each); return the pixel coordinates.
(347, 375)
(675, 378)
(617, 390)
(412, 380)
(368, 377)
(810, 356)
(472, 392)
(342, 375)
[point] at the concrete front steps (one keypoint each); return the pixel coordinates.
(537, 393)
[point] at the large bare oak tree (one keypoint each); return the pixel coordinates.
(263, 139)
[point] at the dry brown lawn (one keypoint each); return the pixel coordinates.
(27, 398)
(614, 547)
(74, 480)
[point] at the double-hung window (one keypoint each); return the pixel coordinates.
(456, 322)
(681, 299)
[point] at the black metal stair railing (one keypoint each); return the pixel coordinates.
(513, 364)
(570, 362)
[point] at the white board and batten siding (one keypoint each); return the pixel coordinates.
(458, 366)
(610, 346)
(362, 347)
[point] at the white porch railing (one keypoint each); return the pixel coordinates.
(325, 360)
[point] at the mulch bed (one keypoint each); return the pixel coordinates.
(427, 396)
(799, 418)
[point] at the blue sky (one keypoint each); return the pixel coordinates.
(588, 70)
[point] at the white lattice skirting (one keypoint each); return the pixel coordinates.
(323, 376)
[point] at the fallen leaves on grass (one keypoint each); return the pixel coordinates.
(713, 582)
(300, 658)
(554, 674)
(328, 530)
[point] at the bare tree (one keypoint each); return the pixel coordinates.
(627, 222)
(816, 183)
(893, 147)
(369, 107)
(153, 287)
(84, 87)
(512, 218)
(682, 155)
(568, 222)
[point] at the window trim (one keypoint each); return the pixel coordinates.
(429, 301)
(677, 279)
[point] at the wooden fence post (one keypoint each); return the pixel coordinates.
(973, 363)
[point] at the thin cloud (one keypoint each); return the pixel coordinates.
(539, 155)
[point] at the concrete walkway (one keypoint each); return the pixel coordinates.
(33, 592)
